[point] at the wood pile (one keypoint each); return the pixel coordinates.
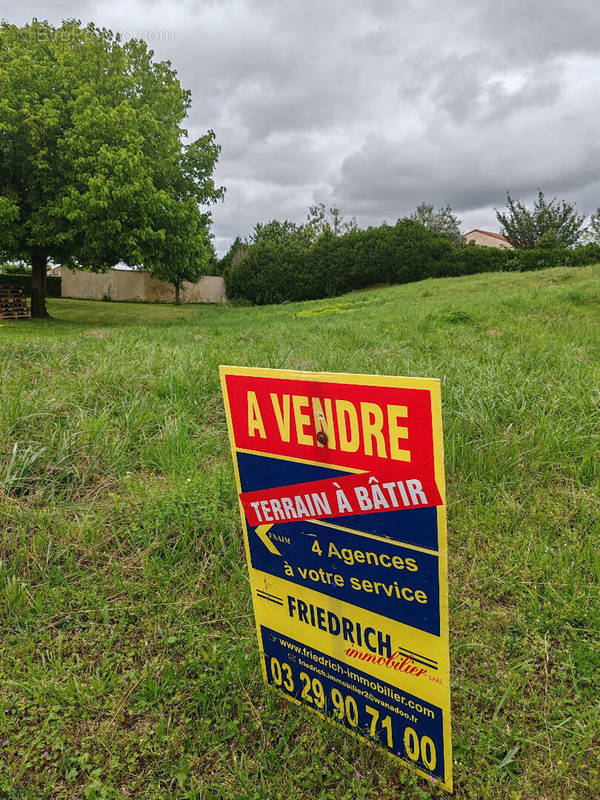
(13, 303)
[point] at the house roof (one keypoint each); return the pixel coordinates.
(489, 233)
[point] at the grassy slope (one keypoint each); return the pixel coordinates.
(128, 660)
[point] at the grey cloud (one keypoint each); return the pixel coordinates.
(374, 105)
(533, 30)
(467, 89)
(289, 161)
(248, 203)
(471, 171)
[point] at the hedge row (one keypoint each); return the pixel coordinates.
(53, 283)
(272, 272)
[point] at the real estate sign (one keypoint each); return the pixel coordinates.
(341, 486)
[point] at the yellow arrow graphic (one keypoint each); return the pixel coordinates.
(261, 532)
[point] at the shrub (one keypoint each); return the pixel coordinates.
(286, 268)
(541, 258)
(483, 259)
(274, 271)
(589, 254)
(269, 273)
(15, 269)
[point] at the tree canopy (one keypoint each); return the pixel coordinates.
(94, 168)
(547, 224)
(593, 231)
(443, 222)
(278, 232)
(322, 220)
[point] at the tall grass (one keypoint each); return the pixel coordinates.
(128, 660)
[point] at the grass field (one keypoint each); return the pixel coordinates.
(128, 659)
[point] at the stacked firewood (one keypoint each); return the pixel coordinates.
(13, 303)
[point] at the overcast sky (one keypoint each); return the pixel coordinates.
(376, 105)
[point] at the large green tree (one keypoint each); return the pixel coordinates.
(548, 224)
(443, 222)
(94, 164)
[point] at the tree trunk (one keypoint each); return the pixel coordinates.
(177, 295)
(39, 261)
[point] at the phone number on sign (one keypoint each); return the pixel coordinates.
(345, 708)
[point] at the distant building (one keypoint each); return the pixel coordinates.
(488, 239)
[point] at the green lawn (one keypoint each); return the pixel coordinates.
(128, 660)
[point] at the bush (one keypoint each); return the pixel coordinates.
(15, 269)
(275, 270)
(271, 271)
(53, 283)
(236, 252)
(589, 254)
(541, 258)
(484, 259)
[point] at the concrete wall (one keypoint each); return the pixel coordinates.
(118, 284)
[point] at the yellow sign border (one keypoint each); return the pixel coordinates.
(433, 385)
